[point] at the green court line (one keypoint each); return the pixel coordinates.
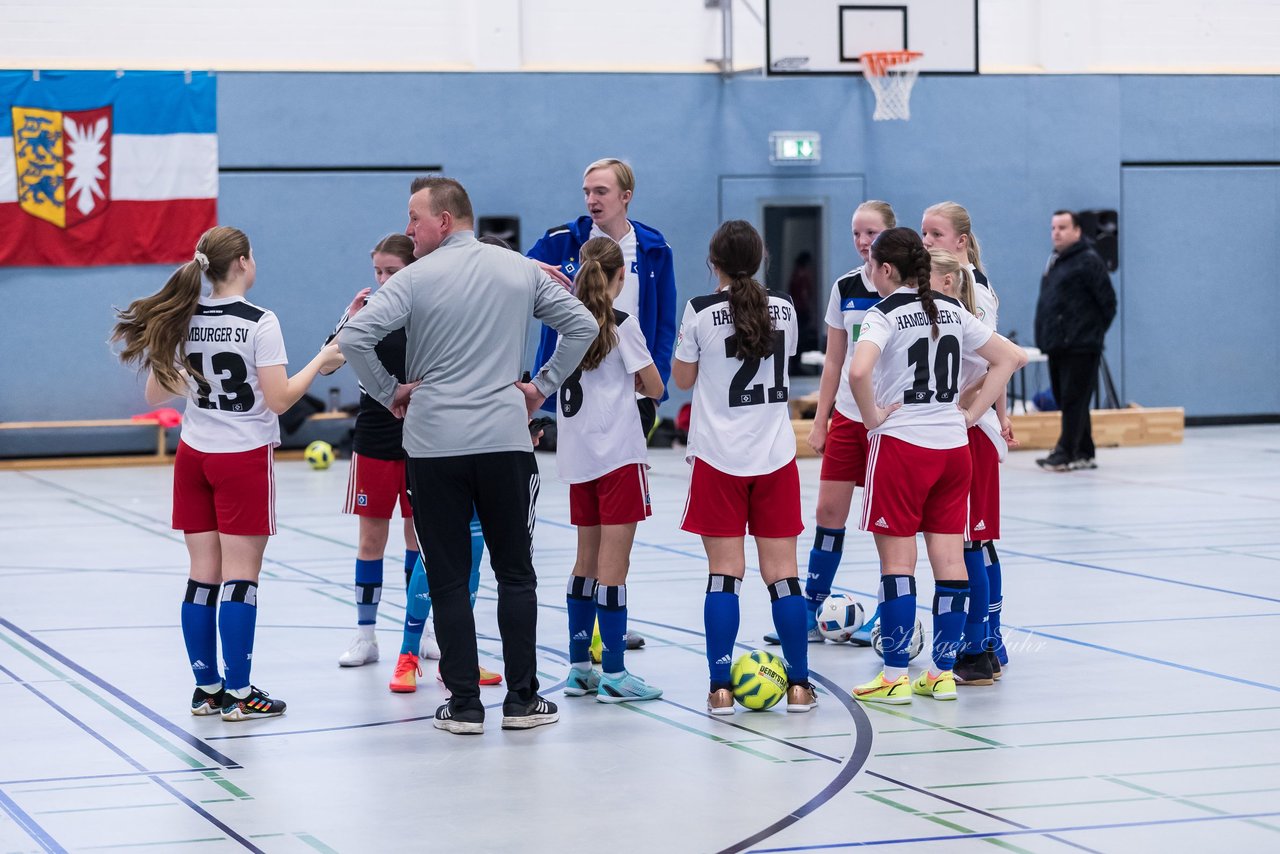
(190, 760)
(315, 843)
(1186, 802)
(1075, 777)
(154, 844)
(108, 809)
(218, 800)
(936, 819)
(231, 787)
(85, 786)
(1150, 737)
(1092, 720)
(932, 725)
(927, 752)
(315, 536)
(632, 707)
(168, 535)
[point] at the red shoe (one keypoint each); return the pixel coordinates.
(487, 677)
(405, 679)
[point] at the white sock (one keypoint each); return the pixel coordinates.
(239, 693)
(211, 689)
(893, 674)
(581, 665)
(366, 633)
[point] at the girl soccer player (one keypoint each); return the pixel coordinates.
(905, 375)
(603, 458)
(843, 445)
(733, 350)
(227, 357)
(947, 225)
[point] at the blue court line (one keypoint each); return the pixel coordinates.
(182, 735)
(81, 777)
(1032, 831)
(104, 741)
(29, 825)
(1141, 575)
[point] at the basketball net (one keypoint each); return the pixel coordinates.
(891, 74)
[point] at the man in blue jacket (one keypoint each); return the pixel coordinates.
(649, 291)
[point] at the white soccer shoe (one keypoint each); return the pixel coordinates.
(430, 649)
(363, 650)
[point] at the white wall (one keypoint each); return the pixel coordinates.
(1016, 36)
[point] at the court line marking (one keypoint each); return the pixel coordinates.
(29, 825)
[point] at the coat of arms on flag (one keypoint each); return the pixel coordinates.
(105, 168)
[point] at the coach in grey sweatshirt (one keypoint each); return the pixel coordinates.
(465, 307)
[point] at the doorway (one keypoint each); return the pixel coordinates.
(793, 245)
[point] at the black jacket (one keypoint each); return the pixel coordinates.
(1077, 302)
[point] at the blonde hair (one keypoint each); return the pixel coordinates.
(884, 209)
(945, 262)
(959, 219)
(626, 178)
(601, 259)
(154, 328)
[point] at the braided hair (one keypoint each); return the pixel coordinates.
(902, 249)
(736, 251)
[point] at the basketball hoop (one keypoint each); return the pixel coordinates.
(891, 74)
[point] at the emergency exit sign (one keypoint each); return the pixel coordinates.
(791, 148)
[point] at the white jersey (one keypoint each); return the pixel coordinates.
(986, 307)
(740, 423)
(229, 340)
(851, 296)
(597, 425)
(919, 371)
(628, 299)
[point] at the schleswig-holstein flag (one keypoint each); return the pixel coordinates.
(102, 167)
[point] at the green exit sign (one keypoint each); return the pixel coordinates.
(795, 147)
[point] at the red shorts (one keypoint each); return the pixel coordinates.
(726, 505)
(984, 488)
(373, 486)
(617, 498)
(912, 489)
(845, 456)
(229, 493)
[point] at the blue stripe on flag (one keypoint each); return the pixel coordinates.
(858, 303)
(144, 102)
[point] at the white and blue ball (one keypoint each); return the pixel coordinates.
(839, 616)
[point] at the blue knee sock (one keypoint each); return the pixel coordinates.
(897, 621)
(417, 609)
(581, 600)
(720, 617)
(237, 618)
(611, 611)
(950, 602)
(790, 616)
(995, 638)
(410, 558)
(477, 554)
(200, 631)
(368, 591)
(824, 560)
(975, 625)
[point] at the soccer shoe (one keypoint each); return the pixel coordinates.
(815, 636)
(539, 711)
(429, 649)
(720, 702)
(1083, 464)
(257, 705)
(996, 670)
(405, 679)
(634, 640)
(362, 651)
(862, 637)
(487, 677)
(625, 689)
(1054, 462)
(579, 682)
(459, 721)
(597, 646)
(881, 690)
(204, 703)
(973, 669)
(940, 687)
(801, 697)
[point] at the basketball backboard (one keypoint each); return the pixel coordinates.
(828, 36)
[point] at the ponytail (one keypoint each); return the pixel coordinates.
(922, 266)
(736, 251)
(947, 264)
(601, 261)
(902, 249)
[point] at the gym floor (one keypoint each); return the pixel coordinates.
(1139, 711)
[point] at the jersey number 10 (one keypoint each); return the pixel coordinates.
(740, 394)
(946, 371)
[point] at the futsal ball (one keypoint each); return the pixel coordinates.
(759, 680)
(319, 454)
(839, 617)
(917, 641)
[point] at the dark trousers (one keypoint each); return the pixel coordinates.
(648, 414)
(1074, 377)
(503, 488)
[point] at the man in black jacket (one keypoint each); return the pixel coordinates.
(1076, 307)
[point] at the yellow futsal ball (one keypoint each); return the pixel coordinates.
(319, 454)
(759, 680)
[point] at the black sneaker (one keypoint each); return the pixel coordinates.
(539, 711)
(1083, 464)
(973, 669)
(459, 721)
(257, 705)
(995, 664)
(634, 640)
(1054, 462)
(205, 703)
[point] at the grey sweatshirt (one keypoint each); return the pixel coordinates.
(465, 309)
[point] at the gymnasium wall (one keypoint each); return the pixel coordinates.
(1012, 148)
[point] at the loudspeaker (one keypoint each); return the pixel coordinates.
(1102, 229)
(503, 227)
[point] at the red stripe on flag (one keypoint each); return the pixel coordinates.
(127, 232)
